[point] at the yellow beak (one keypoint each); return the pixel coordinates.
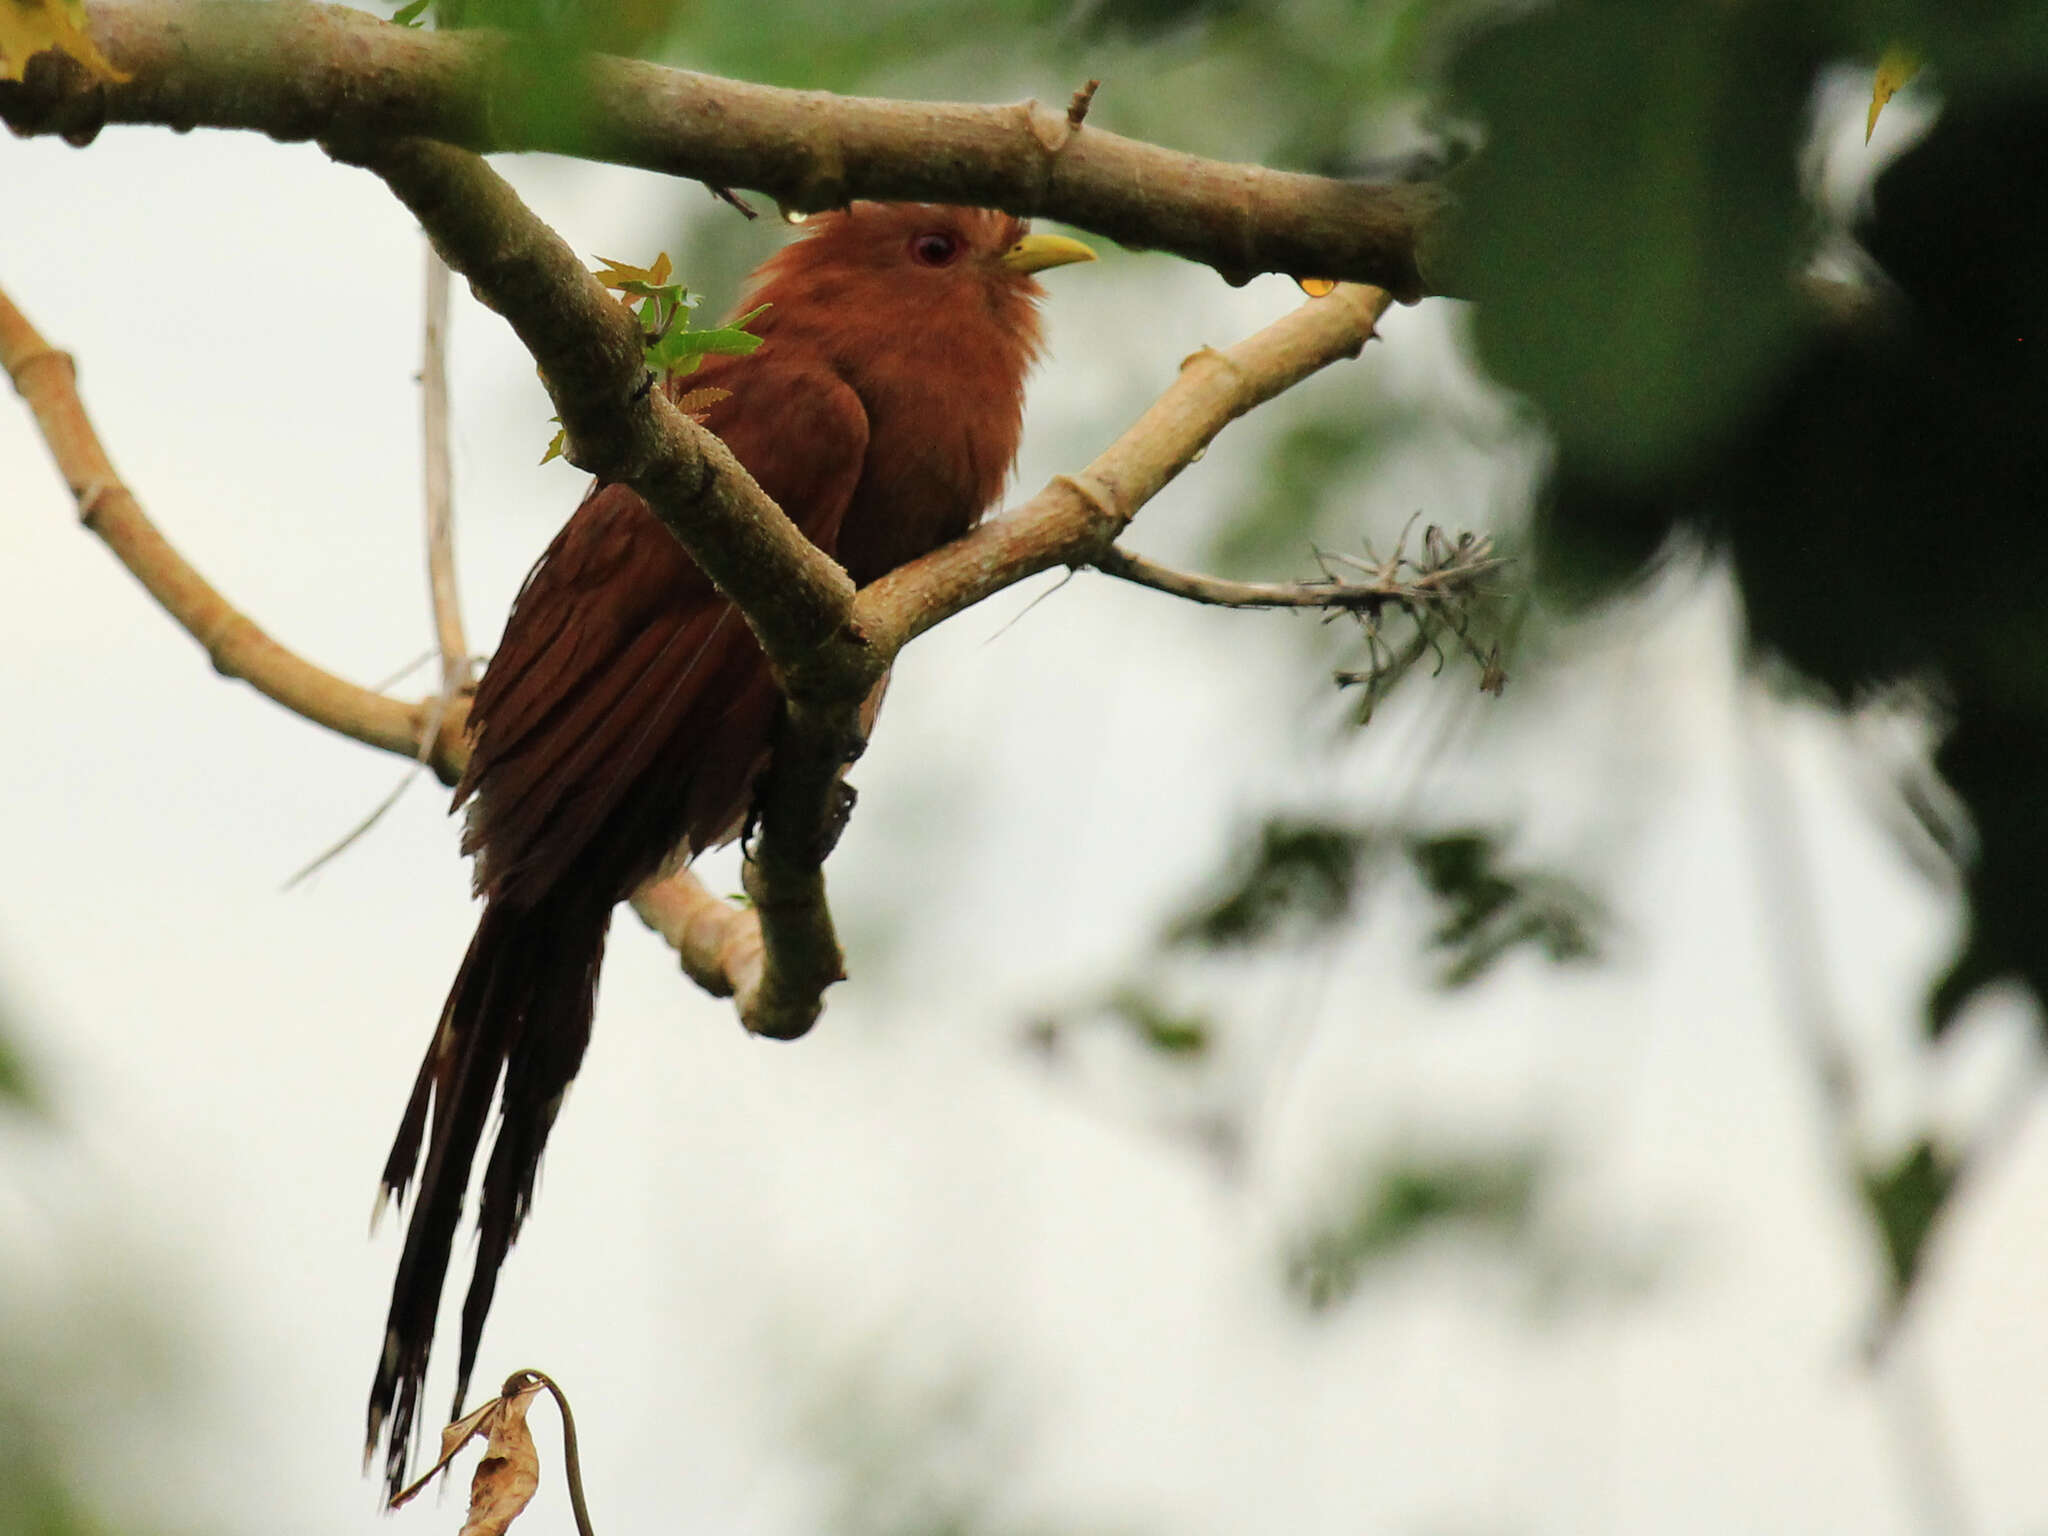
(1034, 253)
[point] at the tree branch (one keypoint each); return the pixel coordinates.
(234, 643)
(1385, 584)
(323, 72)
(1076, 518)
(619, 426)
(440, 496)
(718, 943)
(776, 972)
(1071, 522)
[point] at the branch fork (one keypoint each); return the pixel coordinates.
(830, 645)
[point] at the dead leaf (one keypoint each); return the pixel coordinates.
(698, 401)
(510, 1471)
(1893, 70)
(29, 27)
(453, 1439)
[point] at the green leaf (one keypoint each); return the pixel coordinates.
(1904, 1200)
(1184, 1036)
(1488, 911)
(680, 351)
(14, 1084)
(412, 15)
(1300, 878)
(1632, 230)
(1396, 1207)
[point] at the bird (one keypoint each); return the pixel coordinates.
(627, 710)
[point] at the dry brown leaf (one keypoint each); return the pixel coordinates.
(510, 1471)
(28, 27)
(1893, 70)
(699, 400)
(506, 1478)
(476, 1422)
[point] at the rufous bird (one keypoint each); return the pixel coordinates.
(628, 709)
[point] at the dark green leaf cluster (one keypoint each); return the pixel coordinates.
(1904, 1200)
(1297, 879)
(1300, 879)
(1875, 474)
(1403, 1204)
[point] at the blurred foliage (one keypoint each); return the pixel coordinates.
(39, 1494)
(1904, 1200)
(36, 1498)
(1296, 880)
(1630, 229)
(1401, 1203)
(16, 1091)
(1496, 1203)
(1175, 1034)
(1880, 501)
(1299, 879)
(1488, 912)
(917, 1457)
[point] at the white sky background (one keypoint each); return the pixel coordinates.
(735, 1240)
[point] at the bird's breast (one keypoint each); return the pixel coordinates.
(941, 439)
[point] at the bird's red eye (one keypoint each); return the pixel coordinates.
(935, 249)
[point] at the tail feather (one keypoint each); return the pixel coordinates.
(520, 1010)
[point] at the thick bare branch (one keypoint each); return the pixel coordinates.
(1071, 522)
(323, 72)
(1077, 517)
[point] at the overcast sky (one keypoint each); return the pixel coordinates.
(745, 1255)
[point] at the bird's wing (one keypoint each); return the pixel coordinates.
(628, 704)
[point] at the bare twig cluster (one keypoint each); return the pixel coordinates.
(1438, 591)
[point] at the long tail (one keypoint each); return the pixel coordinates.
(520, 1008)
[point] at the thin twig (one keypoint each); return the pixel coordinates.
(1457, 578)
(428, 734)
(1077, 109)
(440, 496)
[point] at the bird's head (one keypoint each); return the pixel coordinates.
(918, 265)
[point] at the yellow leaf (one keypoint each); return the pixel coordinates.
(1893, 70)
(616, 274)
(29, 27)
